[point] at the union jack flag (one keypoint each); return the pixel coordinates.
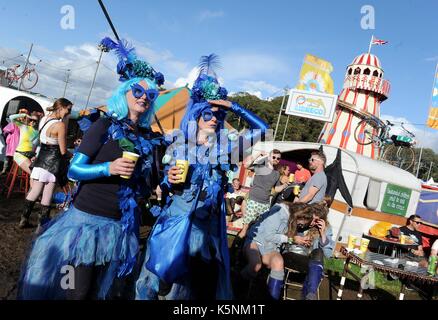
(378, 41)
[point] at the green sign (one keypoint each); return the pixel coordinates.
(396, 200)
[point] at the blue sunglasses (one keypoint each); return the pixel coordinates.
(207, 115)
(138, 91)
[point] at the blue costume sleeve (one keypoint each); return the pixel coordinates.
(81, 169)
(258, 127)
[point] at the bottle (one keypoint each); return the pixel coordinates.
(431, 268)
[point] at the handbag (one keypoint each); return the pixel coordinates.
(169, 244)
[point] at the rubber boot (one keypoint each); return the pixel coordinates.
(43, 218)
(163, 289)
(275, 287)
(312, 281)
(27, 210)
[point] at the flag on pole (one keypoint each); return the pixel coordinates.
(432, 120)
(315, 75)
(375, 41)
(378, 41)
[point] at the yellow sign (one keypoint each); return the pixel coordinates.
(432, 120)
(315, 75)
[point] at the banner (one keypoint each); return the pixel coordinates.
(315, 75)
(432, 120)
(313, 105)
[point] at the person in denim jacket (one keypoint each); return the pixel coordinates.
(262, 245)
(303, 225)
(311, 242)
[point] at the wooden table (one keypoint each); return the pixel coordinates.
(400, 269)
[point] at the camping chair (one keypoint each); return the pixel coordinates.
(289, 282)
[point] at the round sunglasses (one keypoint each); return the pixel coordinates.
(138, 91)
(207, 115)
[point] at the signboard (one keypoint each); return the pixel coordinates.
(396, 200)
(313, 105)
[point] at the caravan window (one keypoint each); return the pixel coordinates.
(372, 195)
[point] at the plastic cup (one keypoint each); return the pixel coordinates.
(296, 190)
(291, 177)
(351, 241)
(402, 239)
(131, 156)
(364, 244)
(184, 165)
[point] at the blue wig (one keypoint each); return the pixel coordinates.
(118, 105)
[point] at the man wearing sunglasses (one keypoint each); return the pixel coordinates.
(315, 187)
(266, 177)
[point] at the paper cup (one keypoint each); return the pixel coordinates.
(351, 241)
(364, 244)
(291, 178)
(184, 165)
(131, 156)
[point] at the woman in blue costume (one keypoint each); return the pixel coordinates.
(83, 250)
(187, 254)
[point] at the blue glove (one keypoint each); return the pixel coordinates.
(80, 169)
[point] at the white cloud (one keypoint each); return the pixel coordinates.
(208, 14)
(426, 138)
(259, 87)
(82, 61)
(189, 79)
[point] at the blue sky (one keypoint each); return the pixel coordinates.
(262, 44)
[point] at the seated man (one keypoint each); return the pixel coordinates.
(411, 230)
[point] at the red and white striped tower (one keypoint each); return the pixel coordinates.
(364, 89)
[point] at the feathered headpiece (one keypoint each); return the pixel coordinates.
(129, 66)
(206, 86)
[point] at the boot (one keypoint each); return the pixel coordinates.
(275, 287)
(27, 210)
(312, 281)
(43, 218)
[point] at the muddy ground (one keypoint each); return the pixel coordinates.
(14, 243)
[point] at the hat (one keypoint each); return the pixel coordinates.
(129, 66)
(206, 86)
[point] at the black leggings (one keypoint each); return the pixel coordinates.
(87, 280)
(204, 278)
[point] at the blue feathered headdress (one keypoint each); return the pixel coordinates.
(129, 66)
(206, 86)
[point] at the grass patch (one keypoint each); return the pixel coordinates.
(381, 281)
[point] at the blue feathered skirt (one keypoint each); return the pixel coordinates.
(74, 238)
(202, 231)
